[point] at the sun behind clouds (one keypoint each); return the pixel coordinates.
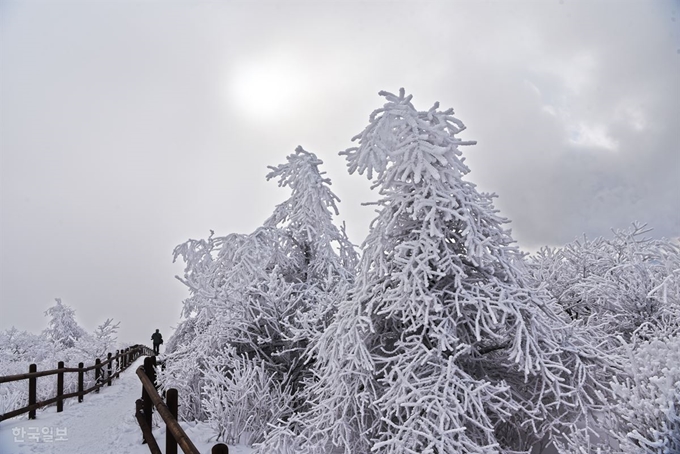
(268, 86)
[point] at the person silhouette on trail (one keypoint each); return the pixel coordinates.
(157, 339)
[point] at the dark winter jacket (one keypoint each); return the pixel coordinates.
(157, 338)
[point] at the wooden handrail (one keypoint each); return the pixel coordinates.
(174, 434)
(146, 430)
(43, 373)
(173, 426)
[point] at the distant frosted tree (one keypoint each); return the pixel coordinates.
(442, 346)
(62, 327)
(106, 332)
(101, 341)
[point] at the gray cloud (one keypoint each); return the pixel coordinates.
(127, 128)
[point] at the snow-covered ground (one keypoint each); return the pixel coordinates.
(102, 423)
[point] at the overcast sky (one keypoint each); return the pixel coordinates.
(129, 127)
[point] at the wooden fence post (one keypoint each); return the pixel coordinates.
(150, 372)
(97, 373)
(117, 361)
(31, 390)
(60, 387)
(81, 366)
(108, 368)
(170, 442)
(220, 448)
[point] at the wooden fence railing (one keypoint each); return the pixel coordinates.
(103, 370)
(174, 434)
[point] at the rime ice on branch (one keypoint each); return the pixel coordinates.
(442, 345)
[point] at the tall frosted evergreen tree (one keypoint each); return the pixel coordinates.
(258, 302)
(442, 346)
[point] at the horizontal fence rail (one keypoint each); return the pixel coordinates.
(174, 434)
(123, 359)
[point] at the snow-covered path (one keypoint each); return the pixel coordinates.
(102, 423)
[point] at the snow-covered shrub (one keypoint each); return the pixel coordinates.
(242, 398)
(627, 285)
(63, 340)
(624, 292)
(647, 409)
(184, 369)
(20, 346)
(217, 271)
(442, 344)
(18, 349)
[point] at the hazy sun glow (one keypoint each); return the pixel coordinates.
(269, 86)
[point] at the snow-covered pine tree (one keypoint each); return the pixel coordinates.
(285, 309)
(442, 346)
(318, 249)
(257, 303)
(323, 262)
(62, 328)
(320, 256)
